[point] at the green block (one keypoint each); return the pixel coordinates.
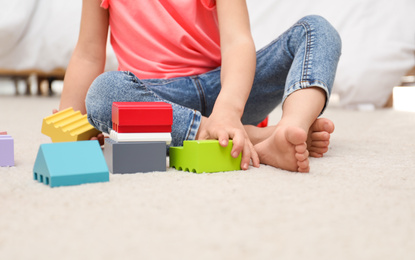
(204, 156)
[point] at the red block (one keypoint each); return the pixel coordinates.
(264, 123)
(142, 117)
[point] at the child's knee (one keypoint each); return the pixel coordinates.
(323, 28)
(103, 85)
(99, 100)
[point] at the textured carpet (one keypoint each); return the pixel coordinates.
(358, 202)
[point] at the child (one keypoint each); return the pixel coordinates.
(199, 56)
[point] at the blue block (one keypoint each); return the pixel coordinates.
(70, 163)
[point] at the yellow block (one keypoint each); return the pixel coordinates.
(68, 126)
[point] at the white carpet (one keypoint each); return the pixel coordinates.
(358, 202)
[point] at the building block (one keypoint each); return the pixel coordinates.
(68, 126)
(133, 157)
(264, 122)
(140, 137)
(204, 156)
(6, 150)
(3, 133)
(70, 163)
(142, 117)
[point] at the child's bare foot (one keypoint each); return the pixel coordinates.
(318, 140)
(286, 149)
(286, 146)
(319, 137)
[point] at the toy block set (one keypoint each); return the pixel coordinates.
(137, 143)
(140, 135)
(6, 150)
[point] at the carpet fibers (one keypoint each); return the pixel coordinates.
(357, 202)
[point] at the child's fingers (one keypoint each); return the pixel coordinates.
(203, 135)
(223, 138)
(249, 153)
(239, 142)
(242, 144)
(100, 138)
(246, 157)
(254, 156)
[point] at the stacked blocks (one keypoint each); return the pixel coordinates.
(204, 156)
(68, 126)
(138, 140)
(6, 150)
(70, 163)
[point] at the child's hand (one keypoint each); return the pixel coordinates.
(224, 127)
(100, 137)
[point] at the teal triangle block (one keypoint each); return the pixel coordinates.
(70, 163)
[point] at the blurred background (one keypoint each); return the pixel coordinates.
(37, 38)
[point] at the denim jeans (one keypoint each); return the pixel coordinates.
(306, 55)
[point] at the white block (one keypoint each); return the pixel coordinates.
(140, 137)
(404, 98)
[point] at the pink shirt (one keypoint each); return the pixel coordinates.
(164, 38)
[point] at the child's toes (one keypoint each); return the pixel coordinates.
(302, 156)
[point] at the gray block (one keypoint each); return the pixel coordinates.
(133, 157)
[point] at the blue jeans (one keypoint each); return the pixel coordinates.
(306, 55)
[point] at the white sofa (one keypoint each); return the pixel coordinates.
(378, 38)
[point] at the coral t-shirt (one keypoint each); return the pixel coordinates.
(164, 38)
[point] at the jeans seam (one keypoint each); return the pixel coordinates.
(97, 122)
(308, 51)
(161, 82)
(143, 85)
(201, 94)
(191, 127)
(131, 76)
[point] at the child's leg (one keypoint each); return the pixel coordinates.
(299, 67)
